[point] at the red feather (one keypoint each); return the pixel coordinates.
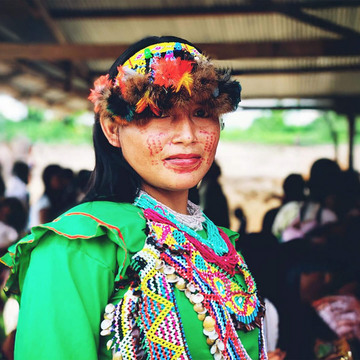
(170, 73)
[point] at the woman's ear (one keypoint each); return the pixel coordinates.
(110, 129)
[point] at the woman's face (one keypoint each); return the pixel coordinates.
(172, 152)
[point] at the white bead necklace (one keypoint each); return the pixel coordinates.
(193, 219)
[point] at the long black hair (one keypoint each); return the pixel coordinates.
(113, 179)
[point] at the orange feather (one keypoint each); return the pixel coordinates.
(145, 102)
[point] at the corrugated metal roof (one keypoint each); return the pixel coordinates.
(197, 29)
(279, 24)
(286, 63)
(349, 16)
(301, 85)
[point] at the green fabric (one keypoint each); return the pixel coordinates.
(65, 272)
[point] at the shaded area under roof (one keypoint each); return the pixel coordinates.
(277, 49)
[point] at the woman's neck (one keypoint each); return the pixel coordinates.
(175, 200)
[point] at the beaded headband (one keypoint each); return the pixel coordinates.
(162, 76)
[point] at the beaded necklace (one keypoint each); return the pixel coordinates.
(214, 240)
(147, 323)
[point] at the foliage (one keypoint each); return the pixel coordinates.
(271, 129)
(37, 129)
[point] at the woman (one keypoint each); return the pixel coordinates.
(137, 259)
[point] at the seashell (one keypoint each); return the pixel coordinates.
(159, 264)
(105, 324)
(218, 356)
(168, 270)
(198, 307)
(191, 287)
(210, 329)
(213, 349)
(213, 335)
(220, 345)
(187, 293)
(209, 322)
(117, 356)
(210, 341)
(105, 332)
(201, 317)
(109, 316)
(181, 284)
(109, 344)
(109, 308)
(197, 298)
(172, 278)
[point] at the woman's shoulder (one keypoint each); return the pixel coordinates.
(93, 219)
(86, 218)
(122, 224)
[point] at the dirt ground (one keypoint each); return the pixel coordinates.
(251, 174)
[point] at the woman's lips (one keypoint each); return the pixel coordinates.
(183, 161)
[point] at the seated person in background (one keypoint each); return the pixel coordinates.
(49, 206)
(13, 218)
(82, 184)
(294, 190)
(297, 218)
(314, 278)
(17, 184)
(212, 198)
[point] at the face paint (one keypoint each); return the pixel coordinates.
(172, 152)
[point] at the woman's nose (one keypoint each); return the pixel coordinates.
(184, 130)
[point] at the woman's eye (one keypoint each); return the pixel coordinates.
(201, 113)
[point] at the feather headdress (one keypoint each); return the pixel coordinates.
(162, 76)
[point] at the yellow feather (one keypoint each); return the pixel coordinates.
(146, 101)
(142, 103)
(186, 81)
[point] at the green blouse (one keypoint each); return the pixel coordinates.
(64, 274)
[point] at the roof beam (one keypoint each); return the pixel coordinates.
(295, 70)
(51, 24)
(310, 19)
(220, 51)
(260, 7)
(81, 69)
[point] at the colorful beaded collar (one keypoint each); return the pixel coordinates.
(160, 77)
(147, 324)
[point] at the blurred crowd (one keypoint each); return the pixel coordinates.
(304, 259)
(62, 190)
(18, 213)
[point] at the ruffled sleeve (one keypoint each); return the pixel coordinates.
(122, 224)
(65, 272)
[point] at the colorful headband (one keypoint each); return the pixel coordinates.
(162, 76)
